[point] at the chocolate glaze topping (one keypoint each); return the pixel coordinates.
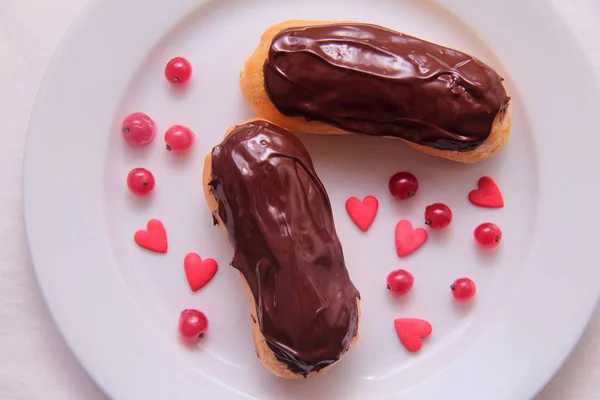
(279, 220)
(371, 80)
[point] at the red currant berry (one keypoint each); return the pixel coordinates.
(403, 185)
(488, 235)
(138, 129)
(140, 181)
(400, 281)
(192, 325)
(438, 216)
(463, 289)
(178, 71)
(179, 138)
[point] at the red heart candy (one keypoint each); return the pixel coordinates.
(410, 332)
(154, 238)
(362, 213)
(488, 195)
(198, 272)
(408, 239)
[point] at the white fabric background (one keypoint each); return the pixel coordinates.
(35, 362)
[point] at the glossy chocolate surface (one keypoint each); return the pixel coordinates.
(371, 80)
(279, 220)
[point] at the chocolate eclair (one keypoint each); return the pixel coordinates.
(261, 186)
(346, 77)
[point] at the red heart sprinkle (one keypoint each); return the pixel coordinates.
(198, 272)
(154, 238)
(408, 239)
(488, 195)
(410, 332)
(363, 212)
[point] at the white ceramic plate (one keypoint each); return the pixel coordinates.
(118, 305)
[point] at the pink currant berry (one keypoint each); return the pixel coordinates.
(192, 325)
(179, 138)
(178, 71)
(400, 281)
(403, 185)
(138, 129)
(463, 289)
(140, 181)
(438, 216)
(488, 235)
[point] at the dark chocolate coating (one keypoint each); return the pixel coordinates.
(371, 80)
(279, 220)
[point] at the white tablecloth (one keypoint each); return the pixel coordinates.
(35, 362)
